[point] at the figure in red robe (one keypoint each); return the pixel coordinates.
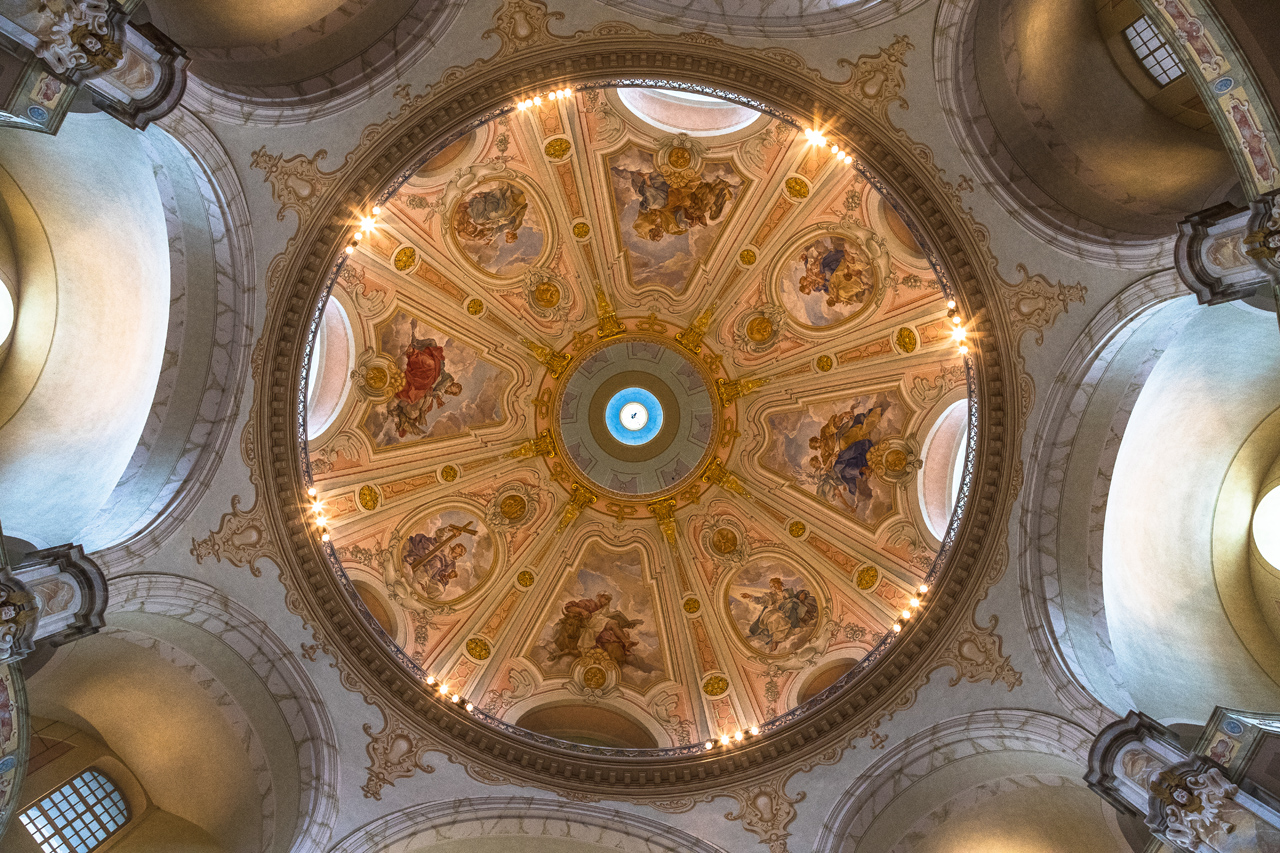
(426, 383)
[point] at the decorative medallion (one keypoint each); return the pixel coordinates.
(406, 258)
(546, 294)
(715, 685)
(525, 578)
(594, 677)
(513, 507)
(772, 606)
(747, 257)
(443, 556)
(692, 605)
(867, 577)
(907, 340)
(369, 498)
(833, 278)
(796, 529)
(797, 188)
(448, 473)
(679, 158)
(478, 648)
(376, 377)
(558, 148)
(581, 230)
(724, 540)
(759, 329)
(825, 363)
(499, 228)
(474, 307)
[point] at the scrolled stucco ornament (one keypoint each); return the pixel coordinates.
(86, 40)
(1191, 806)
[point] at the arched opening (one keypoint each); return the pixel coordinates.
(329, 373)
(678, 111)
(945, 450)
(588, 724)
(1266, 527)
(824, 678)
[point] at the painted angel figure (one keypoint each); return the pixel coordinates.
(671, 207)
(426, 385)
(842, 272)
(488, 213)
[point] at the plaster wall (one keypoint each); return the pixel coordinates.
(82, 418)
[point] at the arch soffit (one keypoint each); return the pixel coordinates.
(222, 197)
(858, 111)
(520, 817)
(1021, 197)
(942, 745)
(299, 702)
(1037, 540)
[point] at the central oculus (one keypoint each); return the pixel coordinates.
(633, 416)
(636, 417)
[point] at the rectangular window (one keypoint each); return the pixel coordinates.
(1153, 52)
(77, 817)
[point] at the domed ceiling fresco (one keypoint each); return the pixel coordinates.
(627, 421)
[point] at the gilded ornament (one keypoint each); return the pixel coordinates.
(546, 294)
(731, 390)
(478, 648)
(369, 498)
(895, 460)
(724, 540)
(759, 328)
(680, 158)
(692, 605)
(558, 148)
(513, 507)
(406, 258)
(555, 362)
(594, 677)
(825, 363)
(449, 473)
(907, 340)
(474, 307)
(796, 529)
(581, 230)
(525, 579)
(797, 188)
(747, 257)
(867, 577)
(376, 378)
(715, 685)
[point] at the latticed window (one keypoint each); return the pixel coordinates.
(1153, 51)
(77, 817)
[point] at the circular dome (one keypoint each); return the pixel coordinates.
(638, 425)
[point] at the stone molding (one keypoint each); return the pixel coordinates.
(776, 80)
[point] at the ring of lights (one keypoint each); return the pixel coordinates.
(815, 732)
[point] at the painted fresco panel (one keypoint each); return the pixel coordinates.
(669, 218)
(773, 607)
(604, 604)
(827, 449)
(443, 557)
(499, 228)
(831, 279)
(445, 388)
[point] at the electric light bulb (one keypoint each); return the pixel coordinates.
(951, 303)
(321, 520)
(897, 629)
(444, 689)
(708, 745)
(956, 320)
(431, 679)
(959, 333)
(454, 698)
(924, 587)
(835, 149)
(470, 707)
(367, 223)
(553, 96)
(317, 506)
(906, 614)
(324, 537)
(537, 101)
(312, 491)
(755, 730)
(376, 210)
(350, 249)
(915, 602)
(724, 739)
(964, 350)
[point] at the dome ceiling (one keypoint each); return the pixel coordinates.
(777, 337)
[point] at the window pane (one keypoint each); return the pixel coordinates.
(77, 817)
(1153, 52)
